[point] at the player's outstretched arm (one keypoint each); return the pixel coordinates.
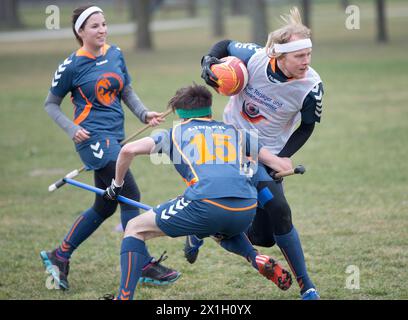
(274, 162)
(126, 155)
(128, 152)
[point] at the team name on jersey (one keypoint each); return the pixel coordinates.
(215, 127)
(102, 62)
(263, 99)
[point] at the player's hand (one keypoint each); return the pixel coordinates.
(284, 165)
(154, 118)
(81, 135)
(209, 77)
(112, 192)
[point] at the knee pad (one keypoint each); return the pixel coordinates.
(273, 200)
(104, 207)
(261, 238)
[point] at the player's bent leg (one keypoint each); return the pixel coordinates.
(154, 272)
(135, 258)
(273, 200)
(266, 265)
(192, 247)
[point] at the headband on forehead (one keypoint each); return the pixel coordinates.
(84, 15)
(292, 46)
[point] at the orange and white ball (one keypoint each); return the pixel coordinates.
(232, 76)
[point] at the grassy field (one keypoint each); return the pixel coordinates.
(350, 207)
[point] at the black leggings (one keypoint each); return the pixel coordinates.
(274, 218)
(103, 179)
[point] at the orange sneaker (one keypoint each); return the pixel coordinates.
(273, 271)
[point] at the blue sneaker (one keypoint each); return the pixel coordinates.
(191, 248)
(311, 294)
(157, 274)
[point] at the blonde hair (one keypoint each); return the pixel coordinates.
(292, 26)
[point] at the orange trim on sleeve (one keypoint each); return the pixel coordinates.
(84, 114)
(230, 208)
(191, 182)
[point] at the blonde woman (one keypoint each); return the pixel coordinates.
(282, 90)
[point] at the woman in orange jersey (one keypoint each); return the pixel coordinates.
(97, 79)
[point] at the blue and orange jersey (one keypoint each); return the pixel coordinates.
(95, 84)
(210, 156)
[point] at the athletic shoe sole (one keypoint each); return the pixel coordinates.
(150, 281)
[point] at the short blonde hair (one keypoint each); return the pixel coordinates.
(293, 26)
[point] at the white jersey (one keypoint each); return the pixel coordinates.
(271, 108)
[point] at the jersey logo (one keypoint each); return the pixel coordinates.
(250, 112)
(102, 62)
(317, 92)
(95, 147)
(174, 208)
(108, 87)
(59, 71)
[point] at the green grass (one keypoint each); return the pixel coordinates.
(350, 207)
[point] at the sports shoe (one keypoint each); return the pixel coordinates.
(191, 248)
(157, 274)
(107, 296)
(57, 267)
(273, 271)
(310, 294)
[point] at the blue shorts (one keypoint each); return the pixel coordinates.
(97, 153)
(224, 216)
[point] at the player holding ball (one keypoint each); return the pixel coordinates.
(282, 90)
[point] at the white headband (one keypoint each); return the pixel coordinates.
(292, 46)
(84, 15)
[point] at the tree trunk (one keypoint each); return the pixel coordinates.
(192, 8)
(344, 4)
(259, 22)
(237, 7)
(217, 18)
(143, 34)
(306, 13)
(382, 35)
(9, 16)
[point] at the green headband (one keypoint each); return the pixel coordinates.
(202, 112)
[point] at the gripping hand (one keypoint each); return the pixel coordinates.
(209, 77)
(112, 192)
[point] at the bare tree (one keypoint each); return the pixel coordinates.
(382, 35)
(306, 13)
(142, 14)
(259, 23)
(237, 7)
(192, 8)
(9, 15)
(217, 18)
